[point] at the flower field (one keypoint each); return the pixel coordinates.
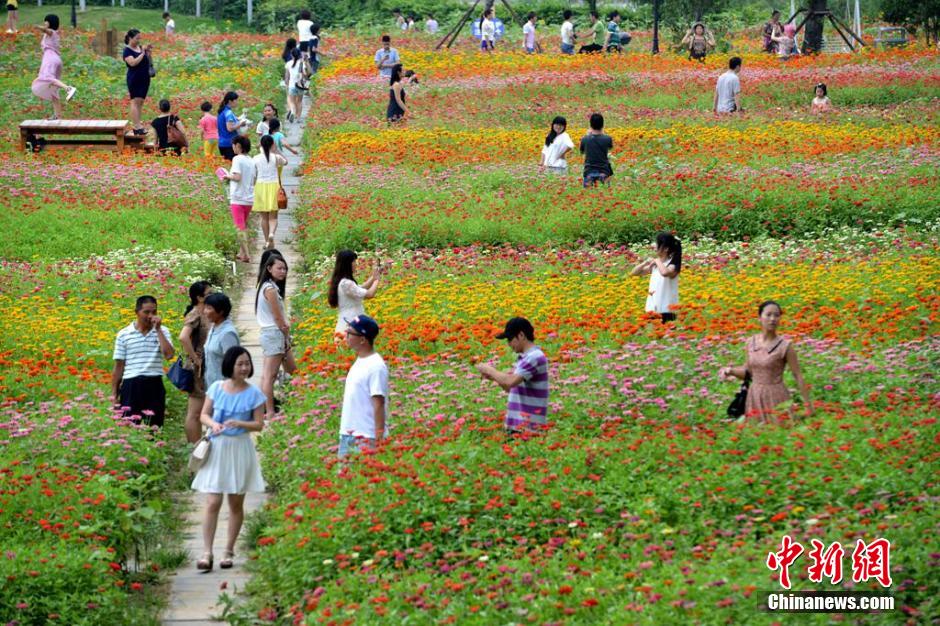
(86, 523)
(638, 505)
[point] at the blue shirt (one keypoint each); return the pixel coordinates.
(221, 337)
(393, 59)
(234, 406)
(225, 135)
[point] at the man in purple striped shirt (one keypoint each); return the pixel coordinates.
(527, 384)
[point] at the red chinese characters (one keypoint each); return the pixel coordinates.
(789, 553)
(872, 561)
(869, 561)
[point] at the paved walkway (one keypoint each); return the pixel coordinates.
(193, 599)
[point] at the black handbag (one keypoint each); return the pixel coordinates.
(182, 378)
(737, 407)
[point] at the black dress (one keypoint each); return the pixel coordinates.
(395, 112)
(138, 77)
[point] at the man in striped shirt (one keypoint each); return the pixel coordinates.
(527, 383)
(139, 352)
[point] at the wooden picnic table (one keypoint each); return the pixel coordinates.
(117, 129)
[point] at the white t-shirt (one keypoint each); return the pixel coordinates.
(262, 128)
(366, 378)
(431, 26)
(528, 35)
(303, 30)
(267, 170)
(263, 311)
(242, 191)
(567, 33)
(729, 85)
(350, 298)
(294, 73)
(488, 30)
(663, 292)
(170, 27)
(553, 153)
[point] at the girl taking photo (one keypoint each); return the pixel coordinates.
(664, 271)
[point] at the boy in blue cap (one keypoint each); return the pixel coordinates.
(365, 398)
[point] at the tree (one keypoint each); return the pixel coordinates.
(914, 14)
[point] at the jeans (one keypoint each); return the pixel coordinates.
(592, 178)
(567, 48)
(350, 444)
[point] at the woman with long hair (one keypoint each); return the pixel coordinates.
(664, 268)
(767, 356)
(557, 145)
(193, 339)
(48, 83)
(295, 81)
(346, 294)
(267, 182)
(275, 327)
(396, 96)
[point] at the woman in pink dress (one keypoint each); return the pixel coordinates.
(47, 84)
(767, 356)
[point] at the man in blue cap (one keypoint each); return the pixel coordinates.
(365, 399)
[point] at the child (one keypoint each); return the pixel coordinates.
(210, 130)
(821, 102)
(664, 268)
(233, 407)
(169, 24)
(270, 112)
(47, 84)
(595, 147)
(280, 141)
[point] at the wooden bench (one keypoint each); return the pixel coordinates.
(120, 134)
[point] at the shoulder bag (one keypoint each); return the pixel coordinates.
(174, 136)
(281, 194)
(200, 453)
(182, 378)
(737, 407)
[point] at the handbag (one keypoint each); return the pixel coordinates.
(281, 194)
(151, 69)
(182, 378)
(200, 453)
(174, 136)
(737, 407)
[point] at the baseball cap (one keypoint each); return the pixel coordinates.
(515, 326)
(364, 325)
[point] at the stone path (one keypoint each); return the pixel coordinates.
(193, 598)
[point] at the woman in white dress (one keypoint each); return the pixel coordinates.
(664, 271)
(233, 408)
(346, 294)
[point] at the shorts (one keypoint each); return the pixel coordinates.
(557, 171)
(227, 152)
(240, 213)
(304, 46)
(272, 342)
(293, 91)
(143, 399)
(12, 7)
(592, 178)
(567, 48)
(209, 146)
(487, 45)
(350, 444)
(529, 50)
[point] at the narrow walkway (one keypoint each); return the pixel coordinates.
(193, 598)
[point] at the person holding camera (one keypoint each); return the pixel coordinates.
(346, 294)
(139, 61)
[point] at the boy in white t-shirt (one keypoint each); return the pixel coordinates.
(365, 398)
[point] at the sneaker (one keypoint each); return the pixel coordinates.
(70, 93)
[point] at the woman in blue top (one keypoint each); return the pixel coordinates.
(222, 336)
(233, 408)
(228, 125)
(137, 59)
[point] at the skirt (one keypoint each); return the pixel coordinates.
(232, 467)
(265, 197)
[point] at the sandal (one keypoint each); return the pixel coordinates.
(205, 563)
(227, 560)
